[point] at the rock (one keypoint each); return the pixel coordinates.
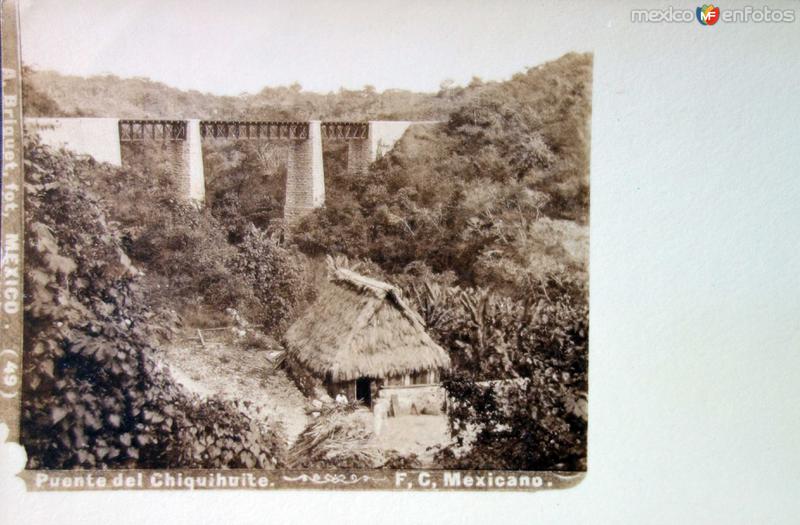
(316, 403)
(118, 266)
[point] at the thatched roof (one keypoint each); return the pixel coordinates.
(360, 327)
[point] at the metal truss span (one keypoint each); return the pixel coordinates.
(345, 130)
(141, 130)
(167, 130)
(245, 129)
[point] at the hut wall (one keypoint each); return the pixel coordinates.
(423, 377)
(427, 398)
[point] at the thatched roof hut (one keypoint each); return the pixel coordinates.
(360, 327)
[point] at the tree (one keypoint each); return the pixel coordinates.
(276, 276)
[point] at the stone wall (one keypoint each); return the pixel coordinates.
(429, 399)
(98, 137)
(305, 181)
(383, 134)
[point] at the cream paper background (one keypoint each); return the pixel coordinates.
(695, 286)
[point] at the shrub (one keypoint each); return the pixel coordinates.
(397, 461)
(276, 276)
(200, 259)
(305, 381)
(245, 183)
(195, 258)
(337, 438)
(184, 250)
(536, 424)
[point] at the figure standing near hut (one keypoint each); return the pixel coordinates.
(379, 414)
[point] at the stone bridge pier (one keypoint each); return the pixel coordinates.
(357, 135)
(305, 179)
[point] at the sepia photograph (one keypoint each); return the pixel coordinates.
(248, 273)
(350, 261)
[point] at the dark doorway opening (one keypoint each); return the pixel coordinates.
(363, 391)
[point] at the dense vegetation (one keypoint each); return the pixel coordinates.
(520, 376)
(198, 262)
(93, 393)
(481, 219)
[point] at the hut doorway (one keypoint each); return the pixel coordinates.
(363, 390)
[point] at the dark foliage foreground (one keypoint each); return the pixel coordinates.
(93, 395)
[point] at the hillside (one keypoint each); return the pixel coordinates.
(498, 193)
(109, 95)
(143, 98)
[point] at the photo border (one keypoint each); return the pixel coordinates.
(11, 361)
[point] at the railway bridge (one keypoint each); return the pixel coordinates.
(103, 139)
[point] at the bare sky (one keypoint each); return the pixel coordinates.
(233, 46)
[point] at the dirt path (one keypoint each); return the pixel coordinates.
(414, 435)
(236, 373)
